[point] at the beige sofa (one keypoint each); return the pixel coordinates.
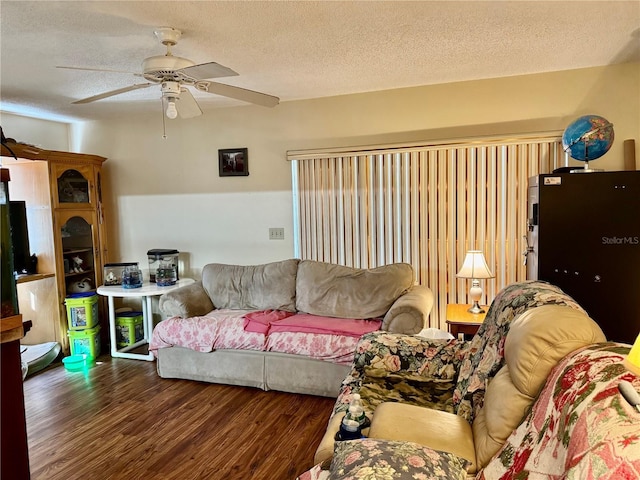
(465, 398)
(317, 288)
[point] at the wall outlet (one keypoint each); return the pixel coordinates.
(276, 234)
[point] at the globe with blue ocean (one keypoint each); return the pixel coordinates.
(588, 137)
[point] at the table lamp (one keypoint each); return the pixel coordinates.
(632, 362)
(475, 267)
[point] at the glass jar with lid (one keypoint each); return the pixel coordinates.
(166, 274)
(132, 277)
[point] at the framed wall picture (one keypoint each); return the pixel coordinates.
(233, 162)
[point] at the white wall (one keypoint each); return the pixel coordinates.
(167, 193)
(41, 133)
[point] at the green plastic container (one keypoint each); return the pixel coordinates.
(85, 341)
(129, 328)
(82, 312)
(77, 363)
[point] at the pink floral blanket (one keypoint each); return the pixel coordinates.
(580, 427)
(224, 329)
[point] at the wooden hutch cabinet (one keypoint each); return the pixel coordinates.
(67, 232)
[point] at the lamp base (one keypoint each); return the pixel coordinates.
(476, 308)
(475, 294)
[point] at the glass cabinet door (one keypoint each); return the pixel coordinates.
(73, 185)
(79, 250)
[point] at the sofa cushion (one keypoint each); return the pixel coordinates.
(381, 459)
(252, 287)
(431, 428)
(338, 291)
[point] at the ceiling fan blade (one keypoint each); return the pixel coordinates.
(238, 93)
(186, 105)
(207, 70)
(113, 92)
(99, 70)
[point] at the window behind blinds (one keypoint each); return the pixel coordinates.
(425, 205)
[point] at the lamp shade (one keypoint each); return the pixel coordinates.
(474, 266)
(632, 362)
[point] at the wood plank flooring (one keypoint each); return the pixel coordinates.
(120, 420)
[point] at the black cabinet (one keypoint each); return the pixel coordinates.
(585, 238)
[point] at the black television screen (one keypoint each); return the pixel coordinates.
(22, 262)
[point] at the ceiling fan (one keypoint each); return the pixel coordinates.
(174, 74)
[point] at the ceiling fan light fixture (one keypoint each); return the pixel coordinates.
(172, 111)
(170, 89)
(174, 73)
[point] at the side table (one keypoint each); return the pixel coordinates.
(145, 293)
(462, 321)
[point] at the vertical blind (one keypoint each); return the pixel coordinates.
(425, 205)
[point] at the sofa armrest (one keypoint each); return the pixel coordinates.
(410, 311)
(188, 301)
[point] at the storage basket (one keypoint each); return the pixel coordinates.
(85, 341)
(129, 328)
(82, 311)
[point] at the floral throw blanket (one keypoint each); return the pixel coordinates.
(580, 428)
(403, 368)
(486, 351)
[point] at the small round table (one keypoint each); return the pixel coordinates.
(145, 293)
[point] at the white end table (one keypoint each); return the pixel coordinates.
(145, 293)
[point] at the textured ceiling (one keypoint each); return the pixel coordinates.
(296, 49)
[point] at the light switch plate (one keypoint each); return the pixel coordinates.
(276, 234)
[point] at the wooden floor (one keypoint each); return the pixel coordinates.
(120, 420)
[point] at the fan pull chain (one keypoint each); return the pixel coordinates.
(164, 125)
